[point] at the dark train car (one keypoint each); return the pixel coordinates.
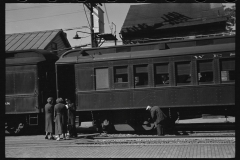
(191, 77)
(30, 80)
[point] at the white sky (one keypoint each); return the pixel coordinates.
(30, 17)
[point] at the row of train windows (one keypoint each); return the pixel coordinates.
(161, 74)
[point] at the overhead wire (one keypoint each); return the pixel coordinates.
(25, 8)
(86, 16)
(74, 28)
(43, 17)
(40, 6)
(107, 17)
(43, 6)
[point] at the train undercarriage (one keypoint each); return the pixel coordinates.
(18, 124)
(128, 120)
(138, 120)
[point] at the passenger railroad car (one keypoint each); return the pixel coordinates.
(192, 76)
(30, 80)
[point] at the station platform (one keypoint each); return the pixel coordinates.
(38, 147)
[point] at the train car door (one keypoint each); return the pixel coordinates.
(66, 81)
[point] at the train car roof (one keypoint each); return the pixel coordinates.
(148, 53)
(31, 56)
(162, 44)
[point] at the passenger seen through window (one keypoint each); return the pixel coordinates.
(141, 75)
(227, 68)
(161, 74)
(205, 71)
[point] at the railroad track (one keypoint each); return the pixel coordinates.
(194, 138)
(98, 139)
(157, 141)
(228, 133)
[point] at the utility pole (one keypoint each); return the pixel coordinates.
(93, 36)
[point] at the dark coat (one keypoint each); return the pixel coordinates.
(60, 114)
(49, 117)
(71, 114)
(158, 115)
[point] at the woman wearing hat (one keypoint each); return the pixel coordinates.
(60, 112)
(49, 118)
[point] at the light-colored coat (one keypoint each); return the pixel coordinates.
(49, 117)
(60, 112)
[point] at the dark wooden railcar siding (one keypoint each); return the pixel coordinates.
(22, 105)
(20, 75)
(182, 57)
(23, 95)
(85, 77)
(130, 97)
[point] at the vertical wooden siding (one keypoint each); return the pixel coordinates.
(60, 45)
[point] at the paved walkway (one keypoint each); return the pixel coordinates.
(38, 147)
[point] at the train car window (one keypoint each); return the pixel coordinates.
(121, 77)
(183, 74)
(120, 74)
(141, 75)
(102, 78)
(227, 67)
(205, 71)
(84, 78)
(161, 74)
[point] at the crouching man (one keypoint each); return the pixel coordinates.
(159, 118)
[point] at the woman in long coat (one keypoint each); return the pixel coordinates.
(49, 118)
(60, 112)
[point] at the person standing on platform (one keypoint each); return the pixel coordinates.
(60, 113)
(49, 118)
(71, 118)
(159, 119)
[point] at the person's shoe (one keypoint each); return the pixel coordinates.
(51, 138)
(58, 139)
(46, 137)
